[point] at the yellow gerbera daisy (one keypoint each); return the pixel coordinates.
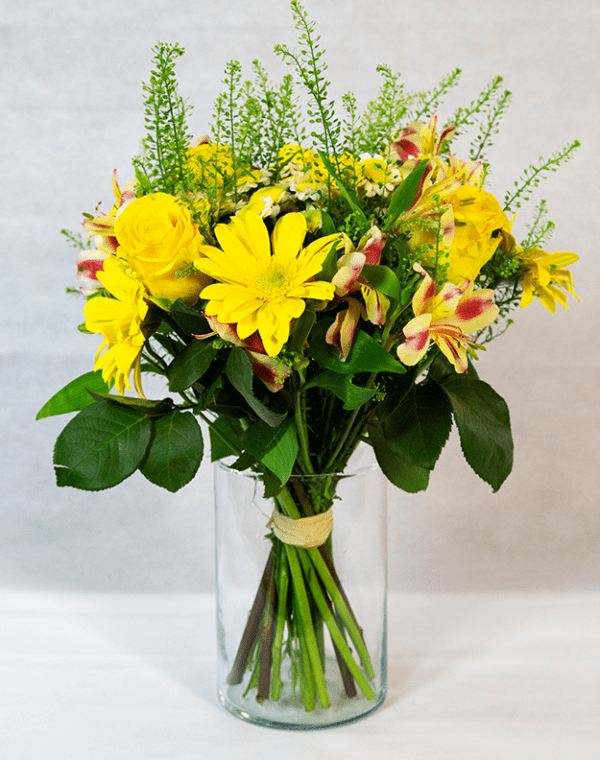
(119, 320)
(259, 288)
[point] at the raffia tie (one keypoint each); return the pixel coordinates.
(307, 532)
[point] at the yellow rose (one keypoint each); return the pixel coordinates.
(477, 215)
(159, 241)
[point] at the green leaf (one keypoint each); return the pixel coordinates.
(276, 448)
(175, 451)
(405, 194)
(441, 369)
(418, 429)
(483, 422)
(346, 191)
(366, 354)
(190, 364)
(151, 406)
(327, 225)
(189, 319)
(410, 478)
(302, 327)
(384, 280)
(225, 435)
(238, 369)
(101, 446)
(329, 267)
(74, 396)
(352, 395)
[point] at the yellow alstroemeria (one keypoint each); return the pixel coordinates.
(543, 275)
(119, 320)
(445, 318)
(263, 283)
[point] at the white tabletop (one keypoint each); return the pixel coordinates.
(131, 677)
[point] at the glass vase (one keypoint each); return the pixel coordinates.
(301, 630)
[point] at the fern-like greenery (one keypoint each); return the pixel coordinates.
(383, 115)
(533, 175)
(163, 165)
(425, 103)
(540, 229)
(311, 67)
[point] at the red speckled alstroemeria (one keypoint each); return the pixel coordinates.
(347, 280)
(89, 263)
(420, 140)
(103, 226)
(446, 319)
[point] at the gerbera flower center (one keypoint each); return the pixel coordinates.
(273, 281)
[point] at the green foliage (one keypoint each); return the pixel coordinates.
(76, 240)
(417, 429)
(175, 451)
(311, 67)
(540, 230)
(75, 396)
(163, 165)
(382, 115)
(425, 103)
(483, 423)
(101, 446)
(533, 175)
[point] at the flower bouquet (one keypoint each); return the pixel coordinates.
(301, 294)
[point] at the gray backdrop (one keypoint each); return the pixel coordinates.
(71, 113)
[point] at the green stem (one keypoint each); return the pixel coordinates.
(300, 416)
(307, 632)
(336, 634)
(283, 580)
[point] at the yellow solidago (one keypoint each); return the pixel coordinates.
(543, 275)
(262, 282)
(119, 320)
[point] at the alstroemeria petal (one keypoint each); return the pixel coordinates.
(417, 340)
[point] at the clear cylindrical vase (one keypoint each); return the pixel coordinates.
(301, 630)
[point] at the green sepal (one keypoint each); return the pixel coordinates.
(190, 364)
(366, 354)
(408, 477)
(418, 428)
(483, 423)
(238, 370)
(404, 195)
(352, 395)
(102, 446)
(75, 396)
(175, 451)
